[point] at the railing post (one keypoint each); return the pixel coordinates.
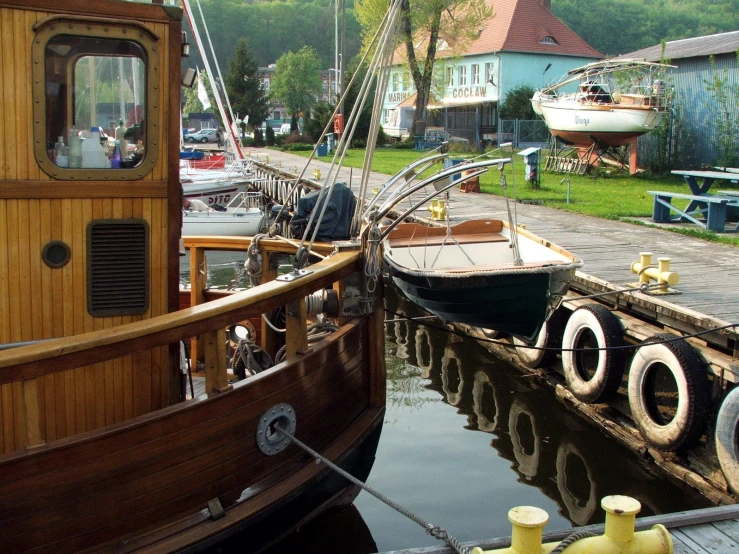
(270, 338)
(216, 364)
(198, 275)
(34, 435)
(296, 339)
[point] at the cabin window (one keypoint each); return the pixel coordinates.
(98, 86)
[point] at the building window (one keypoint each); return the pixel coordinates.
(404, 81)
(449, 76)
(548, 40)
(276, 115)
(475, 74)
(490, 77)
(265, 84)
(462, 75)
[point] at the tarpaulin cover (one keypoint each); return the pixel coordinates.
(336, 223)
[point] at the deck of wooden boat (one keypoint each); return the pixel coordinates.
(708, 270)
(704, 531)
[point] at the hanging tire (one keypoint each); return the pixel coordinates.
(592, 375)
(727, 437)
(675, 418)
(548, 343)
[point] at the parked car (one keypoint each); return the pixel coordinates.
(203, 135)
(437, 134)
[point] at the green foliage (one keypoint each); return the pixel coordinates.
(320, 116)
(243, 86)
(300, 147)
(269, 136)
(723, 107)
(297, 80)
(517, 104)
(619, 26)
(273, 28)
(258, 137)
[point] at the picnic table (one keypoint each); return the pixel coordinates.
(713, 207)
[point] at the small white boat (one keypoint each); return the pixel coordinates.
(243, 216)
(615, 102)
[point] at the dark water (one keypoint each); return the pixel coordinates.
(466, 438)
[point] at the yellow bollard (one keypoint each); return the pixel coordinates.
(662, 274)
(438, 210)
(375, 190)
(266, 159)
(316, 173)
(619, 536)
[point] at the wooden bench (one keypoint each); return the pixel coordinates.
(711, 206)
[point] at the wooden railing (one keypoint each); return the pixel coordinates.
(209, 320)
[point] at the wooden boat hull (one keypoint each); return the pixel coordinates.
(481, 286)
(583, 124)
(146, 483)
(516, 304)
(240, 223)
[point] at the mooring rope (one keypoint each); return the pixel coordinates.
(434, 530)
(574, 537)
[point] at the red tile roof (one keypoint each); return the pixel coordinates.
(520, 26)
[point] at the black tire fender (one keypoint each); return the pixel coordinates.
(693, 393)
(549, 340)
(593, 325)
(727, 447)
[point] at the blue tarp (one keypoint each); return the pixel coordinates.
(191, 155)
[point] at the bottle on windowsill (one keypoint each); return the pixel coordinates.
(116, 156)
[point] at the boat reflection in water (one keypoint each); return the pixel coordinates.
(525, 448)
(551, 449)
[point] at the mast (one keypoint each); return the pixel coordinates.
(227, 121)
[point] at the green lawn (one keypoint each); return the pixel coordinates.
(609, 193)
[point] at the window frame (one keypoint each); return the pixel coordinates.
(90, 27)
(462, 75)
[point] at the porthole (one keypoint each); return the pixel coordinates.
(56, 254)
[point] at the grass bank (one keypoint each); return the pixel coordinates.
(607, 193)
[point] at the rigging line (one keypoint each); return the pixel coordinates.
(381, 62)
(543, 348)
(218, 67)
(330, 122)
(433, 530)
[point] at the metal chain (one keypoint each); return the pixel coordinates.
(433, 530)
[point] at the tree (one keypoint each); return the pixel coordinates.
(517, 104)
(243, 86)
(297, 81)
(424, 24)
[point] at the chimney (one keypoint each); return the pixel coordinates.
(546, 3)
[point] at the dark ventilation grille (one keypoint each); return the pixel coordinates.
(117, 267)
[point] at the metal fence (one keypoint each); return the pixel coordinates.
(523, 133)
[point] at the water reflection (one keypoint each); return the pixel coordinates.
(549, 448)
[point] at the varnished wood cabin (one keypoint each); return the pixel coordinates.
(99, 448)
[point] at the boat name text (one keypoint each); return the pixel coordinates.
(581, 120)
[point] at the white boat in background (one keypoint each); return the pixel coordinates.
(615, 102)
(243, 216)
